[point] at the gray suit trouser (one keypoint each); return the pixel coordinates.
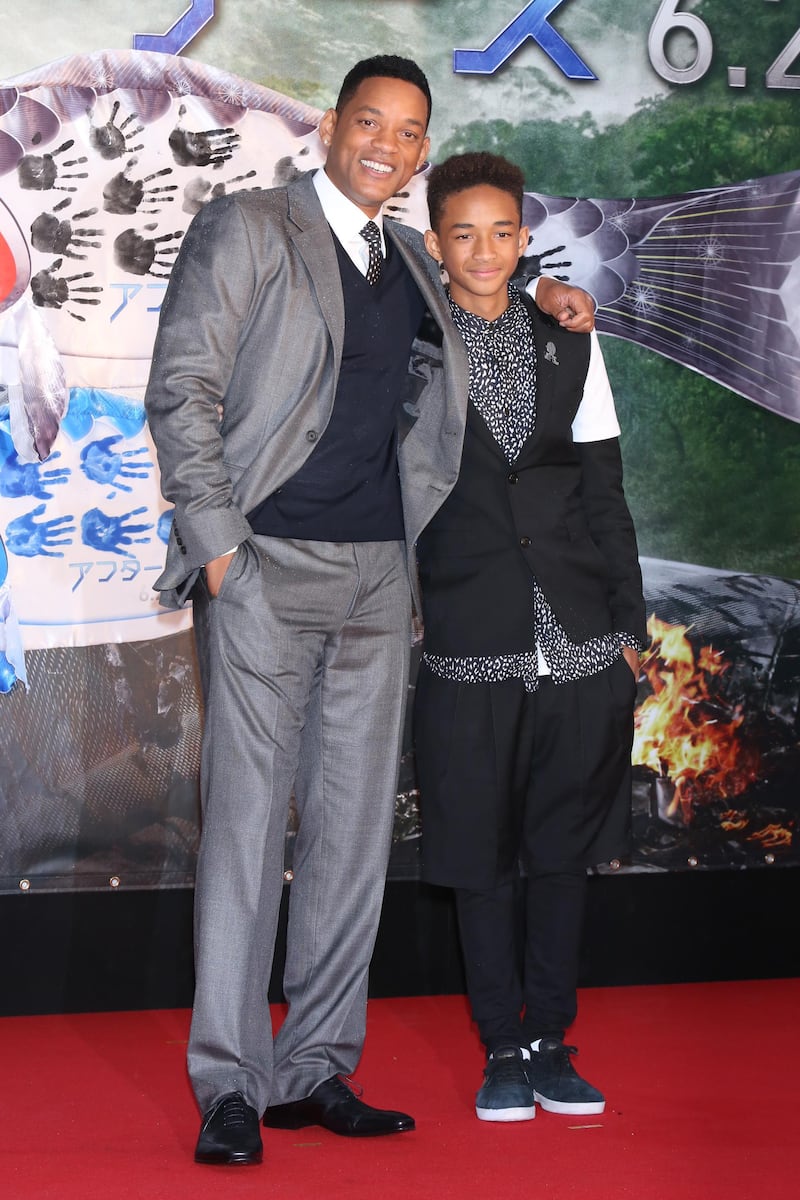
(304, 661)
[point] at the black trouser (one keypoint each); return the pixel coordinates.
(521, 943)
(509, 777)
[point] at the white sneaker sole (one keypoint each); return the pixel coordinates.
(505, 1114)
(585, 1109)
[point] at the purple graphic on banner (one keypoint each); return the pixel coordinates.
(710, 279)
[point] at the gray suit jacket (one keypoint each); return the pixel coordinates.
(253, 320)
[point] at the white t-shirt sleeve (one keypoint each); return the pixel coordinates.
(596, 418)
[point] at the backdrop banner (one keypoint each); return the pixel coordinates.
(659, 150)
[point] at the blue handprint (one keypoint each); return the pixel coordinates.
(111, 534)
(30, 479)
(29, 538)
(8, 676)
(87, 404)
(105, 465)
(164, 525)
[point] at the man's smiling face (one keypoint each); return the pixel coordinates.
(377, 141)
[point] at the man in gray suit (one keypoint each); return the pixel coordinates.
(293, 312)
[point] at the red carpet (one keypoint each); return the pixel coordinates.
(701, 1081)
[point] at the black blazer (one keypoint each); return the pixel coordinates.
(558, 514)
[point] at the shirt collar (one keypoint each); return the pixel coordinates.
(473, 323)
(345, 218)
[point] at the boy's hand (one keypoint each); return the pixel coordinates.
(572, 307)
(631, 657)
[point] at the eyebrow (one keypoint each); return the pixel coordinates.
(471, 225)
(378, 112)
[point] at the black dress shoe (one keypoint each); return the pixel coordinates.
(229, 1135)
(333, 1106)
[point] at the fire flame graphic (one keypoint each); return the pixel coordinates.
(686, 730)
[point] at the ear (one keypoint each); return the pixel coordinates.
(423, 154)
(524, 234)
(327, 126)
(432, 245)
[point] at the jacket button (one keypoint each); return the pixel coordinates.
(513, 477)
(525, 542)
(311, 436)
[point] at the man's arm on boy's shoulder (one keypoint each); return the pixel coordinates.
(572, 307)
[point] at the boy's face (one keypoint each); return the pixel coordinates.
(377, 142)
(480, 241)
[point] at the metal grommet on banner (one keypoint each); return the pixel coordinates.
(288, 876)
(769, 859)
(24, 885)
(615, 864)
(693, 861)
(114, 881)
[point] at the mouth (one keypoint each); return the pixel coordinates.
(372, 165)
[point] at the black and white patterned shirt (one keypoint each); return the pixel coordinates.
(502, 389)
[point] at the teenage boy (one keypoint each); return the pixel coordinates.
(295, 309)
(534, 616)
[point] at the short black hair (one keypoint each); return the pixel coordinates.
(384, 66)
(470, 170)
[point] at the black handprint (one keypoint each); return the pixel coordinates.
(286, 169)
(206, 147)
(110, 140)
(199, 191)
(530, 266)
(123, 196)
(137, 254)
(53, 236)
(53, 291)
(39, 172)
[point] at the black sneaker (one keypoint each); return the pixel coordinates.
(557, 1086)
(507, 1094)
(229, 1135)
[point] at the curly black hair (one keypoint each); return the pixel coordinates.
(470, 170)
(384, 66)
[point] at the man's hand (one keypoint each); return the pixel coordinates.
(631, 657)
(215, 571)
(572, 307)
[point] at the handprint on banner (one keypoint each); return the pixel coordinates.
(29, 538)
(203, 148)
(39, 172)
(49, 290)
(287, 168)
(104, 464)
(532, 264)
(138, 254)
(124, 196)
(199, 191)
(165, 525)
(54, 236)
(111, 534)
(87, 405)
(8, 676)
(111, 140)
(28, 479)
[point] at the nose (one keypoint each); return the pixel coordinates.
(484, 248)
(382, 140)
